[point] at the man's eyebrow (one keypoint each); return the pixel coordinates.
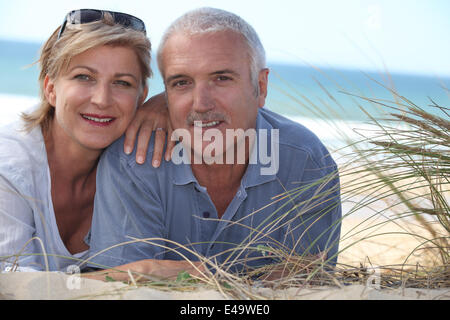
(174, 77)
(225, 71)
(218, 72)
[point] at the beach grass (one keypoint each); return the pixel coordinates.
(395, 191)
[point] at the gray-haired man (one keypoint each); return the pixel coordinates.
(210, 204)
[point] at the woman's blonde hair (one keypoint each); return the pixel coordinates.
(56, 55)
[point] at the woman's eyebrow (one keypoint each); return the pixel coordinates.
(92, 70)
(127, 75)
(83, 67)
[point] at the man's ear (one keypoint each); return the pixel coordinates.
(263, 81)
(49, 90)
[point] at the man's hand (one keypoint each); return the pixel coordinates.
(153, 115)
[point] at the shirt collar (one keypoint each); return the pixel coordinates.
(183, 172)
(252, 176)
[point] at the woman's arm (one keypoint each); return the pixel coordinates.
(17, 229)
(153, 115)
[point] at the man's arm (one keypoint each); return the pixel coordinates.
(314, 225)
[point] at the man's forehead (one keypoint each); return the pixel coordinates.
(212, 52)
(210, 36)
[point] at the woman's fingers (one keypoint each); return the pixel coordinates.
(131, 133)
(151, 116)
(160, 138)
(145, 133)
(170, 145)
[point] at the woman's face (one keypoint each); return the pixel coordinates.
(96, 97)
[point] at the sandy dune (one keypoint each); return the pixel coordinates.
(42, 285)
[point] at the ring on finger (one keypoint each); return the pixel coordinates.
(160, 129)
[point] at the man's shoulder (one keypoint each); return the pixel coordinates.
(295, 138)
(116, 152)
(116, 159)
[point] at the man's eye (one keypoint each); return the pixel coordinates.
(180, 84)
(223, 78)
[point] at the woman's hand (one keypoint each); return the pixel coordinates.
(161, 269)
(153, 115)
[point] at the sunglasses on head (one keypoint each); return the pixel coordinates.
(90, 15)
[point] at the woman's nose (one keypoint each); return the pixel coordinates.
(101, 95)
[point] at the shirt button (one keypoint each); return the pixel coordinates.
(206, 214)
(239, 193)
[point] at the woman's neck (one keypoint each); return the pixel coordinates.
(67, 159)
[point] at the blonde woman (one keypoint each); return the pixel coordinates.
(94, 70)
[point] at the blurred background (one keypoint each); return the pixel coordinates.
(321, 53)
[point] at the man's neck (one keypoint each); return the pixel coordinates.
(221, 182)
(218, 175)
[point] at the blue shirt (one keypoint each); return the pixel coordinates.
(297, 209)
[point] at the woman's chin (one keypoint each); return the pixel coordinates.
(97, 144)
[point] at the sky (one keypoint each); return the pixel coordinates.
(407, 36)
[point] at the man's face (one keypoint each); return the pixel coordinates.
(207, 79)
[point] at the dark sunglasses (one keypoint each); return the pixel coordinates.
(90, 15)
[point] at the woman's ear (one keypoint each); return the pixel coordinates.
(49, 91)
(143, 96)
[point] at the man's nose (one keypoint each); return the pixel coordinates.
(102, 95)
(203, 97)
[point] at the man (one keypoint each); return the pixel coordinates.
(218, 202)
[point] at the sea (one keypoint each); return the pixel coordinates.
(334, 103)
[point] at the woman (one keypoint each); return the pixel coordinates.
(93, 77)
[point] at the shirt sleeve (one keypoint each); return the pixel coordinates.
(17, 228)
(128, 222)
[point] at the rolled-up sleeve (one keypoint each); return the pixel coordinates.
(17, 229)
(127, 223)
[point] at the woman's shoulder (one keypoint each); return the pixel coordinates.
(22, 153)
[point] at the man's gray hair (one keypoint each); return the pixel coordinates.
(205, 20)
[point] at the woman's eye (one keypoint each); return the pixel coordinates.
(83, 77)
(123, 83)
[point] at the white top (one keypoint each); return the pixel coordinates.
(28, 226)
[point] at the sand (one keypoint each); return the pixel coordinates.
(59, 286)
(368, 239)
(385, 249)
(383, 242)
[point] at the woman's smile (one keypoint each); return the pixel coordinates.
(98, 120)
